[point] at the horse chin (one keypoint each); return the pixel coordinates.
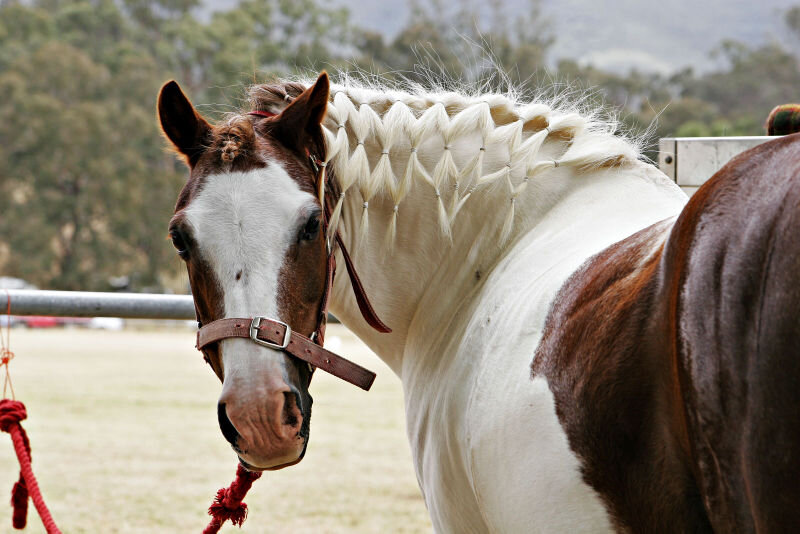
(273, 464)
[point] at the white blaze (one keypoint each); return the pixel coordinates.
(244, 222)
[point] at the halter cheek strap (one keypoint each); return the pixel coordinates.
(322, 320)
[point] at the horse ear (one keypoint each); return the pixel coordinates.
(298, 126)
(182, 125)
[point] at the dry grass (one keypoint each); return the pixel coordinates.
(125, 440)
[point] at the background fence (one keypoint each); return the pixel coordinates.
(93, 304)
(690, 161)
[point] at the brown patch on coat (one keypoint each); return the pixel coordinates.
(674, 364)
(737, 338)
(610, 387)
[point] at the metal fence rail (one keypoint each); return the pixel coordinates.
(89, 304)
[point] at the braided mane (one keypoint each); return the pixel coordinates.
(382, 141)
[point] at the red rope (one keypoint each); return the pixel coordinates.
(228, 502)
(11, 413)
(5, 348)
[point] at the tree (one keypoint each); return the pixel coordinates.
(86, 186)
(447, 44)
(256, 40)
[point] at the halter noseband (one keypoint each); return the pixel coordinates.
(278, 335)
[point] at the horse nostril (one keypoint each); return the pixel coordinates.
(228, 430)
(291, 408)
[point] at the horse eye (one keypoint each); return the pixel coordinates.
(179, 242)
(311, 229)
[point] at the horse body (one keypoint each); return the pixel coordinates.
(737, 246)
(489, 452)
(554, 309)
(683, 402)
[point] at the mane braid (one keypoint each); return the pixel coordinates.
(398, 126)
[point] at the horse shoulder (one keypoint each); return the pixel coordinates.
(489, 451)
(521, 470)
(485, 438)
(603, 356)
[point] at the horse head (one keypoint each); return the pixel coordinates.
(249, 226)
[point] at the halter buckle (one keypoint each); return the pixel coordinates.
(256, 322)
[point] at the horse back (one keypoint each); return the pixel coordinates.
(673, 358)
(731, 286)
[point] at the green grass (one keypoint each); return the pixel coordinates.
(125, 440)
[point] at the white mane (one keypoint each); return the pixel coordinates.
(382, 140)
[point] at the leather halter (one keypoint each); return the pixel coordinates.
(278, 335)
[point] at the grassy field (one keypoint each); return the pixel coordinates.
(125, 440)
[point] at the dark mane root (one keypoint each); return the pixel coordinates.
(273, 98)
(234, 138)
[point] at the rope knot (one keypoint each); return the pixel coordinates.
(227, 508)
(11, 413)
(5, 356)
(228, 502)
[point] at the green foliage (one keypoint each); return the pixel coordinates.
(444, 42)
(258, 39)
(87, 188)
(84, 180)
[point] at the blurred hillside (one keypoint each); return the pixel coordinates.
(87, 187)
(617, 35)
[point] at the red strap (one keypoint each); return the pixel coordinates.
(263, 113)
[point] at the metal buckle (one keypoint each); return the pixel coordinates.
(256, 322)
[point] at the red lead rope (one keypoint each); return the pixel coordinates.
(11, 413)
(228, 503)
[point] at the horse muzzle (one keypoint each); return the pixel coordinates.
(270, 435)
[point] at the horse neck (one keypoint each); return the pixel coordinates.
(422, 242)
(399, 278)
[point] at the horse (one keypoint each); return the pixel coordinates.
(581, 348)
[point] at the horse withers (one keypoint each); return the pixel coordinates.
(580, 350)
